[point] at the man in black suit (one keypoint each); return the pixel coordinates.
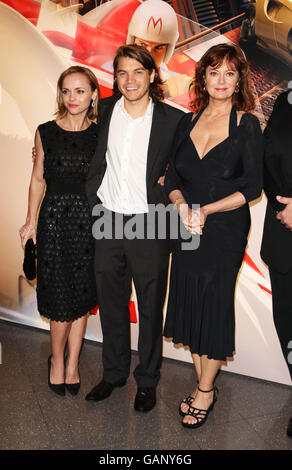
(134, 143)
(276, 248)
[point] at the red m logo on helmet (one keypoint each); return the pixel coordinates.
(155, 23)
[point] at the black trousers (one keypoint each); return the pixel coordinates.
(282, 311)
(117, 262)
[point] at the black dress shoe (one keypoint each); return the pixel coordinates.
(59, 389)
(145, 398)
(289, 428)
(103, 390)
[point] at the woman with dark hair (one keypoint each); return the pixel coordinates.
(65, 278)
(217, 164)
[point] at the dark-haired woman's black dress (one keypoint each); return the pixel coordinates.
(65, 278)
(200, 312)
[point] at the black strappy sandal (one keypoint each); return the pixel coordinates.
(186, 401)
(199, 414)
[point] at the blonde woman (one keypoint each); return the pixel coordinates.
(65, 278)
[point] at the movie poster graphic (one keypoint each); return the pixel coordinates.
(41, 38)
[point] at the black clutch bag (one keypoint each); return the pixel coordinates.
(29, 263)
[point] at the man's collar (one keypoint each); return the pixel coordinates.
(148, 113)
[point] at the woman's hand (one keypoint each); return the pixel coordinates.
(203, 215)
(193, 220)
(26, 232)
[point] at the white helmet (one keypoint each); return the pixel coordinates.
(155, 21)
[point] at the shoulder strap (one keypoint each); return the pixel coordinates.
(232, 121)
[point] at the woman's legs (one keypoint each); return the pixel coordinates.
(197, 363)
(74, 346)
(59, 335)
(207, 370)
(61, 332)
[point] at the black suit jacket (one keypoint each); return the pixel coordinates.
(164, 123)
(276, 248)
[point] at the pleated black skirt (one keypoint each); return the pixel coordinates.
(200, 311)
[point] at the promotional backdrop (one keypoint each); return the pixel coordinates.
(39, 39)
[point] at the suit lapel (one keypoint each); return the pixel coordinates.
(158, 128)
(104, 127)
(98, 164)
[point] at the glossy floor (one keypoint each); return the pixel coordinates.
(249, 414)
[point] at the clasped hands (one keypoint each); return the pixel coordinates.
(285, 216)
(193, 220)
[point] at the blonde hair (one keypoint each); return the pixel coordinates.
(92, 112)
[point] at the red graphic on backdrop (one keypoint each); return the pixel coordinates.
(132, 309)
(251, 263)
(155, 23)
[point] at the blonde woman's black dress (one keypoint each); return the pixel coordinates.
(65, 278)
(200, 312)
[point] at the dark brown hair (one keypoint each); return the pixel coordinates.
(243, 100)
(92, 112)
(143, 56)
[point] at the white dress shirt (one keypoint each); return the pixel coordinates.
(123, 188)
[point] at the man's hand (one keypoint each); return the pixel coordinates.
(161, 180)
(285, 216)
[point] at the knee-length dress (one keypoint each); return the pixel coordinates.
(200, 311)
(66, 287)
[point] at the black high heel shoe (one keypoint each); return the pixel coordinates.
(199, 414)
(73, 389)
(59, 389)
(189, 399)
(186, 401)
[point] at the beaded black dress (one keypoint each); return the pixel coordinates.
(66, 287)
(200, 312)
